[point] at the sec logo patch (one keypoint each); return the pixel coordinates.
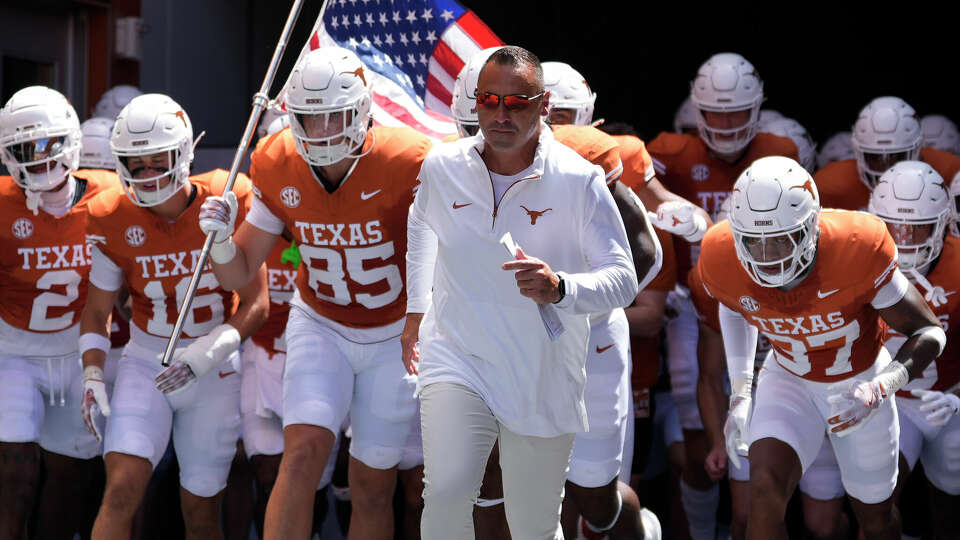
(700, 172)
(749, 304)
(135, 235)
(22, 228)
(290, 197)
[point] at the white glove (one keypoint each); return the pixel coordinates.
(201, 356)
(852, 403)
(682, 219)
(94, 400)
(939, 406)
(736, 428)
(218, 215)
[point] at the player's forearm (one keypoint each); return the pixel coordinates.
(655, 193)
(235, 273)
(645, 320)
(254, 307)
(94, 324)
(920, 349)
(711, 398)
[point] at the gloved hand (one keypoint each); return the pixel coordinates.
(940, 407)
(200, 357)
(853, 402)
(94, 400)
(218, 215)
(682, 219)
(736, 430)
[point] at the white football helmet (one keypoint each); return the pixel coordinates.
(941, 133)
(152, 124)
(838, 147)
(887, 131)
(114, 100)
(39, 138)
(727, 83)
(267, 119)
(685, 119)
(95, 153)
(767, 116)
(912, 198)
(955, 205)
(464, 104)
(568, 90)
(329, 90)
(791, 129)
(774, 216)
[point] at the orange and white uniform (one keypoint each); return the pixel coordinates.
(839, 183)
(938, 447)
(598, 455)
(637, 163)
(155, 259)
(343, 344)
(825, 329)
(44, 262)
(686, 166)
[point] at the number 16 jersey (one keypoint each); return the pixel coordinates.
(353, 240)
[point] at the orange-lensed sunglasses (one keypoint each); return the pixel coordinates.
(513, 102)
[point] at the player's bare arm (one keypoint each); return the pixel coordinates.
(912, 316)
(711, 398)
(640, 234)
(94, 344)
(254, 306)
(654, 194)
(645, 316)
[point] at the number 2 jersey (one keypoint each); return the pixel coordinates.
(353, 240)
(156, 258)
(825, 328)
(43, 268)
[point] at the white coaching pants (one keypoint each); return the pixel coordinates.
(458, 432)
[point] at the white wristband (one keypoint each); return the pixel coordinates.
(935, 333)
(741, 387)
(93, 340)
(223, 252)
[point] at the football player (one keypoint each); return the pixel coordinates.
(912, 200)
(791, 129)
(941, 133)
(114, 100)
(95, 150)
(817, 285)
(727, 93)
(143, 236)
(43, 205)
(837, 147)
(342, 190)
(886, 131)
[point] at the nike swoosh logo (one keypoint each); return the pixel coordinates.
(600, 349)
(826, 294)
(458, 206)
(225, 375)
(366, 196)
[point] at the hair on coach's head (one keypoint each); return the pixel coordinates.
(511, 55)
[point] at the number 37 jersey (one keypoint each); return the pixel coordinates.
(352, 241)
(825, 328)
(158, 256)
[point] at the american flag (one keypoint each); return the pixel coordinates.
(415, 48)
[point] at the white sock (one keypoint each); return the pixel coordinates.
(701, 510)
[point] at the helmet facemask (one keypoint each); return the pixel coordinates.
(775, 259)
(42, 164)
(728, 140)
(873, 162)
(324, 138)
(919, 242)
(155, 188)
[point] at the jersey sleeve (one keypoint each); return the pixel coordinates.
(262, 218)
(104, 273)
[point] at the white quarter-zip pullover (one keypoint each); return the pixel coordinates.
(478, 330)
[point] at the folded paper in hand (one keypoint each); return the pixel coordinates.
(548, 312)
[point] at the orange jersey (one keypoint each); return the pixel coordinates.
(707, 312)
(637, 164)
(594, 146)
(839, 186)
(824, 329)
(686, 166)
(839, 183)
(158, 256)
(353, 241)
(645, 351)
(282, 283)
(44, 260)
(944, 372)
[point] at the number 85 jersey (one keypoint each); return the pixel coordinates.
(824, 329)
(353, 240)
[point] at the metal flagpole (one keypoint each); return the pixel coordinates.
(260, 102)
